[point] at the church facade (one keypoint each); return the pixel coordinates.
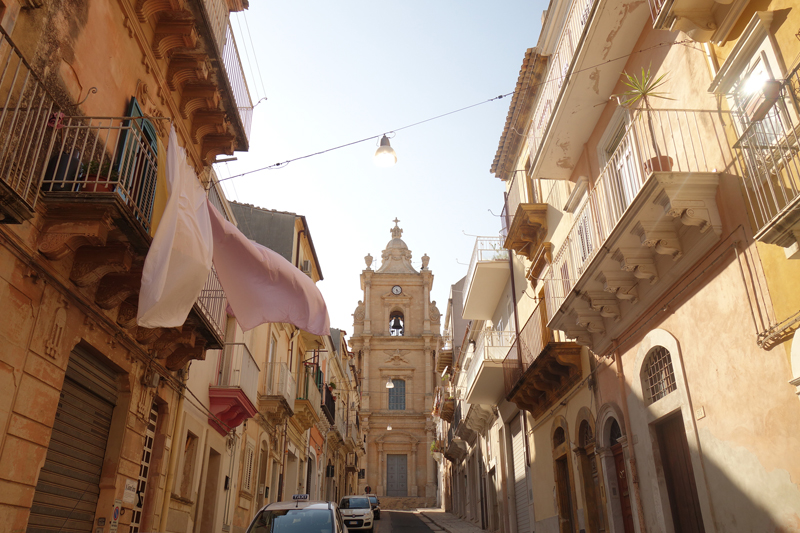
(396, 334)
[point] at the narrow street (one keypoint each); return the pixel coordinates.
(404, 522)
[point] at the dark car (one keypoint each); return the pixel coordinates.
(376, 506)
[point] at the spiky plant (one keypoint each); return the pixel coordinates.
(640, 90)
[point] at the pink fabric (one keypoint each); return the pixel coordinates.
(262, 286)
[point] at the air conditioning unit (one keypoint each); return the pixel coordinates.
(306, 267)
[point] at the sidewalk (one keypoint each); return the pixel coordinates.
(449, 522)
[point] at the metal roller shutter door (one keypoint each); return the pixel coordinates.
(66, 493)
(520, 476)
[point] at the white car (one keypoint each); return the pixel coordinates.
(357, 513)
(298, 516)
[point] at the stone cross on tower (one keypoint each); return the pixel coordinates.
(396, 231)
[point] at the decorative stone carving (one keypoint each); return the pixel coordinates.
(396, 357)
(205, 122)
(183, 354)
(638, 262)
(52, 346)
(434, 312)
(622, 284)
(660, 236)
(590, 319)
(604, 303)
(359, 314)
(115, 288)
(172, 34)
(198, 96)
(691, 198)
(147, 8)
(425, 261)
(214, 145)
(126, 316)
(186, 69)
(62, 237)
(528, 229)
(368, 261)
(93, 262)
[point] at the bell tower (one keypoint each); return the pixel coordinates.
(396, 333)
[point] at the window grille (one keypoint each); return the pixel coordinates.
(397, 395)
(144, 469)
(660, 378)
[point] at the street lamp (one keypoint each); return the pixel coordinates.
(389, 384)
(385, 155)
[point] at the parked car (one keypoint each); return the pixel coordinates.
(357, 513)
(376, 505)
(298, 516)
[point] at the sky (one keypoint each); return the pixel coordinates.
(337, 72)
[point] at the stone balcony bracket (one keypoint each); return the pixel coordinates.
(692, 202)
(205, 122)
(551, 374)
(115, 288)
(173, 34)
(197, 96)
(480, 418)
(604, 303)
(93, 262)
(590, 319)
(660, 236)
(187, 69)
(145, 9)
(214, 145)
(621, 284)
(528, 229)
(62, 236)
(638, 261)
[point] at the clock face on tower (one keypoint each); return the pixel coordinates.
(397, 289)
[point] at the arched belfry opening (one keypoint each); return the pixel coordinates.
(396, 324)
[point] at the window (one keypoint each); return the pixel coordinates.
(189, 456)
(397, 395)
(247, 469)
(658, 375)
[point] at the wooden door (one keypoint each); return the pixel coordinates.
(622, 486)
(681, 486)
(396, 475)
(564, 495)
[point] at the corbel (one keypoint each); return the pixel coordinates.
(659, 236)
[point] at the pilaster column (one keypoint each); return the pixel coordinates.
(413, 470)
(381, 471)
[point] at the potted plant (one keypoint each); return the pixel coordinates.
(640, 91)
(99, 177)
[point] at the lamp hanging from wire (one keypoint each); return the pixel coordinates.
(385, 155)
(389, 427)
(389, 384)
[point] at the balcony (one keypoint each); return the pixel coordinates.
(484, 373)
(106, 164)
(447, 409)
(277, 403)
(487, 276)
(353, 436)
(444, 355)
(351, 463)
(651, 214)
(702, 20)
(546, 370)
(218, 15)
(307, 405)
(328, 404)
(212, 305)
(233, 399)
(479, 418)
(769, 150)
(579, 76)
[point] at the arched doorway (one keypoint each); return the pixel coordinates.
(590, 477)
(565, 491)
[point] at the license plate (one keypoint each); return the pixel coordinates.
(350, 522)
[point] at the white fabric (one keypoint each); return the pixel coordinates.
(179, 260)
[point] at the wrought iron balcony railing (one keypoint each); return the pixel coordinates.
(280, 382)
(103, 155)
(239, 370)
(225, 42)
(213, 303)
(308, 389)
(769, 149)
(531, 342)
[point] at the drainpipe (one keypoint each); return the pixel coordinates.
(173, 456)
(629, 436)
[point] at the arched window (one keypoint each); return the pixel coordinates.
(658, 377)
(559, 437)
(396, 324)
(397, 395)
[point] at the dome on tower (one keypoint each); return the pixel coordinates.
(396, 258)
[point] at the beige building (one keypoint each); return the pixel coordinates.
(396, 334)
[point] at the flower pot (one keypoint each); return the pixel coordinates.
(62, 167)
(95, 183)
(661, 163)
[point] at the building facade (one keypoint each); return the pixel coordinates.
(653, 259)
(396, 335)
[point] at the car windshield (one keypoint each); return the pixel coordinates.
(373, 499)
(292, 521)
(354, 503)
